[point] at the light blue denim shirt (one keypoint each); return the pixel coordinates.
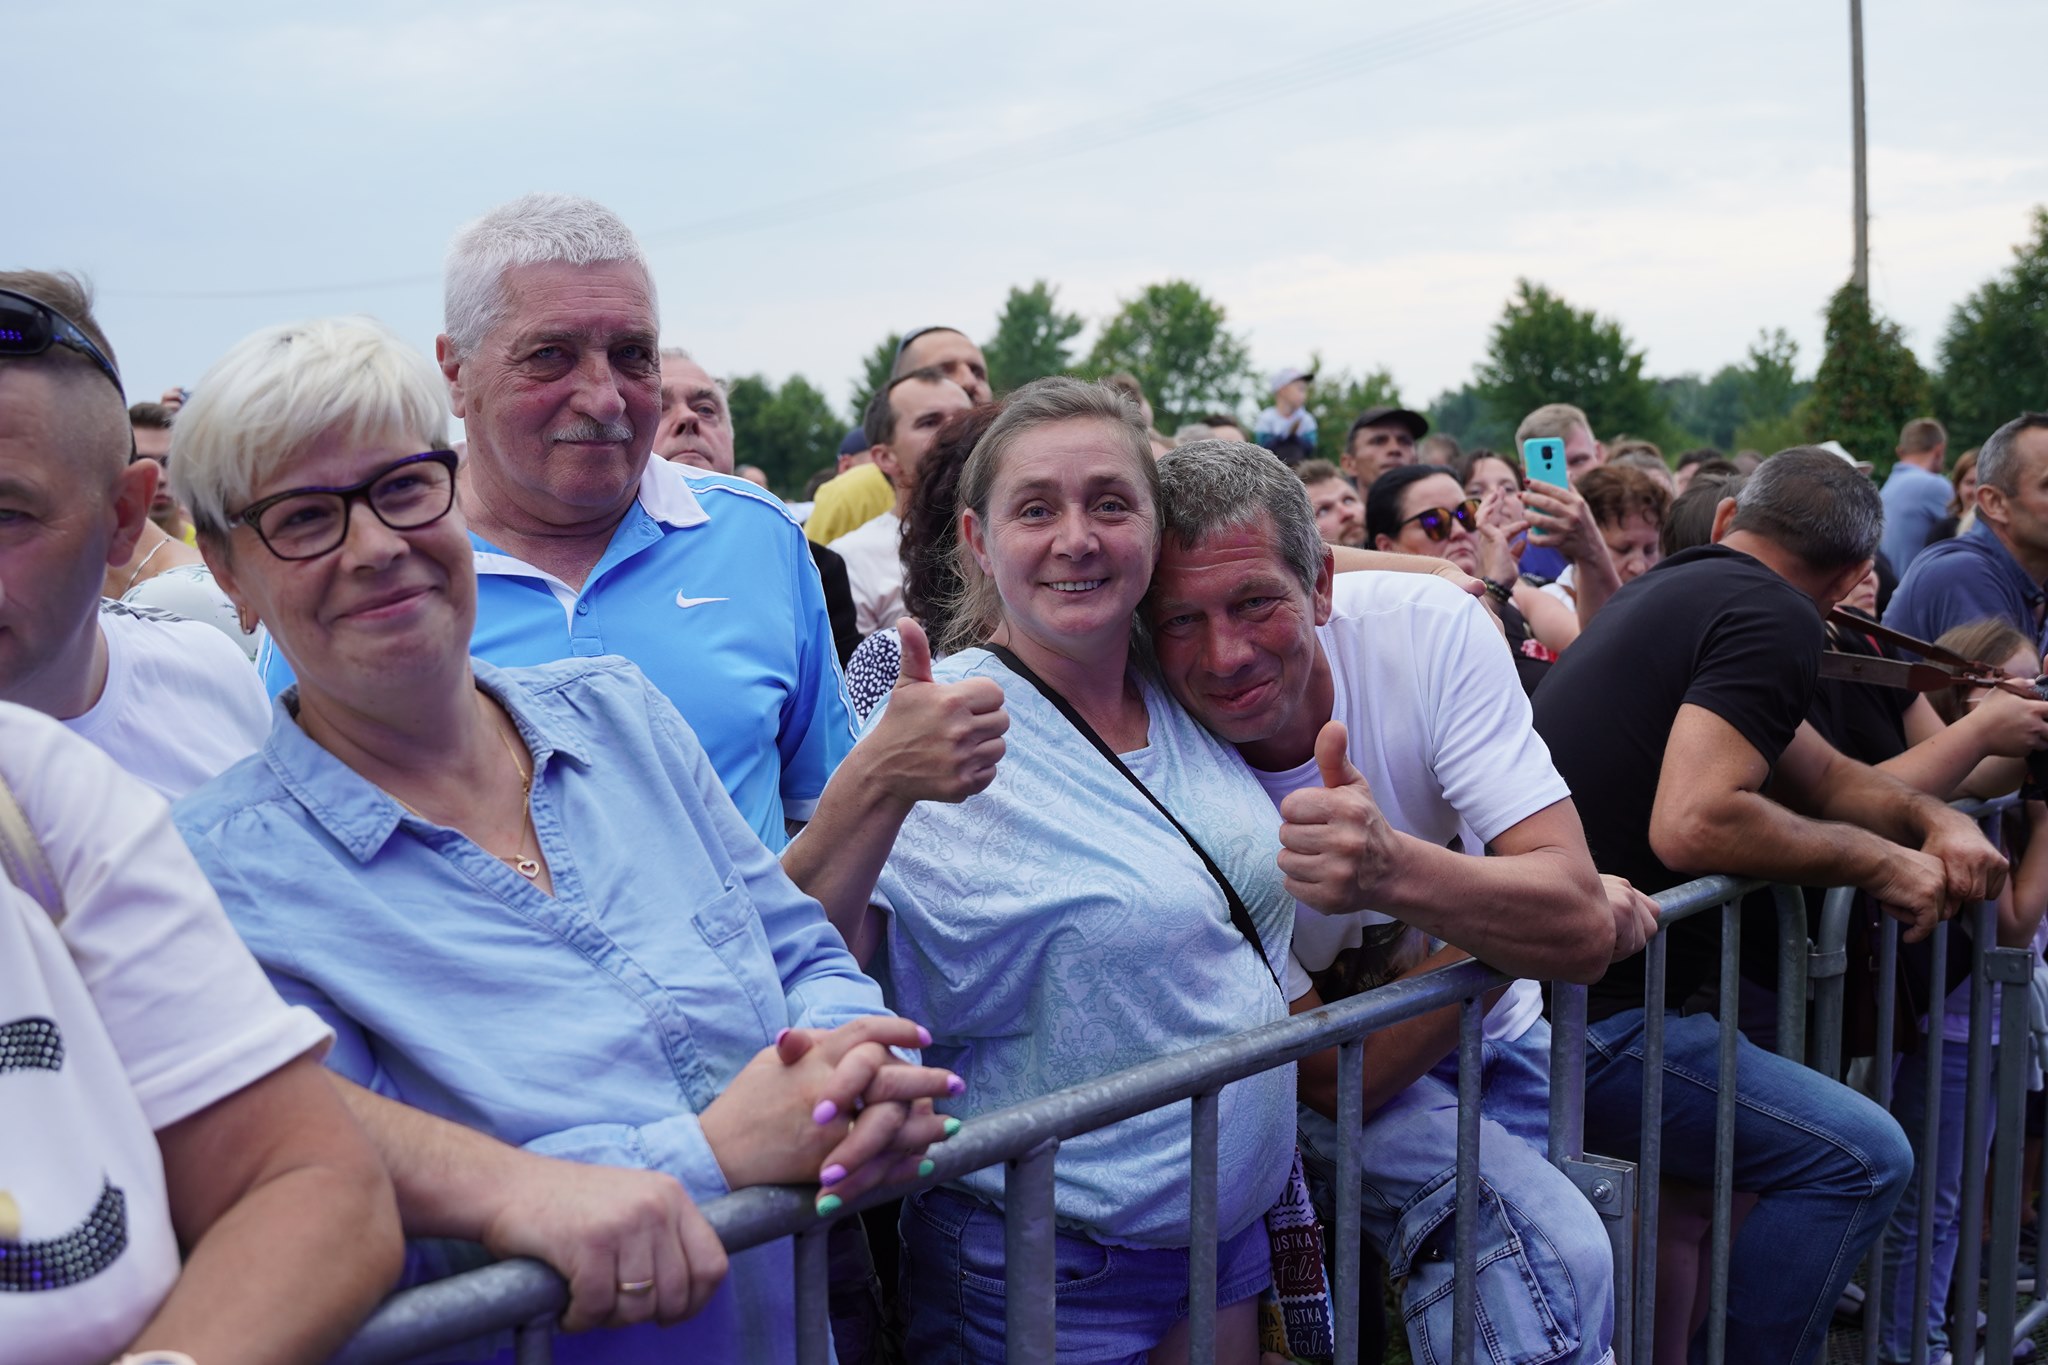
(594, 1024)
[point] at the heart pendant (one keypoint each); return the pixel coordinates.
(526, 867)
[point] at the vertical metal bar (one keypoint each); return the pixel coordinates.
(1350, 1120)
(1650, 1169)
(1930, 1145)
(1962, 1334)
(1724, 1133)
(1202, 1231)
(1793, 949)
(813, 1298)
(1887, 1023)
(1830, 987)
(2013, 1046)
(1465, 1280)
(533, 1343)
(1028, 1257)
(1567, 1072)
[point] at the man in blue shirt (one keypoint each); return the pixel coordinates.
(1916, 496)
(1997, 569)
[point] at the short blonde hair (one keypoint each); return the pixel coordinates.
(1553, 421)
(278, 390)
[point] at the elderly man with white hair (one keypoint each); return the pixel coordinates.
(586, 545)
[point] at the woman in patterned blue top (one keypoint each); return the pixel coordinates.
(1057, 927)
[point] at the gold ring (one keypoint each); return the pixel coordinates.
(636, 1286)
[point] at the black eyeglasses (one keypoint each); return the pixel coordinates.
(1436, 521)
(305, 523)
(30, 327)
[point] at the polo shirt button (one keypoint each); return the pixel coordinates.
(583, 608)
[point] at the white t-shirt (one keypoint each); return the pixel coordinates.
(181, 705)
(141, 1009)
(874, 571)
(187, 591)
(1440, 728)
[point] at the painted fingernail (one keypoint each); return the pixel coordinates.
(924, 1036)
(927, 1166)
(952, 1127)
(824, 1113)
(780, 1034)
(828, 1206)
(832, 1175)
(955, 1086)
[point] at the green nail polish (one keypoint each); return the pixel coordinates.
(927, 1166)
(828, 1206)
(952, 1127)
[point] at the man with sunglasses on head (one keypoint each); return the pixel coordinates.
(171, 701)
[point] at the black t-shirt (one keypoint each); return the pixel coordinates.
(1712, 627)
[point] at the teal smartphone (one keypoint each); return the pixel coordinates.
(1543, 457)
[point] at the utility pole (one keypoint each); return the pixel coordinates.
(1860, 274)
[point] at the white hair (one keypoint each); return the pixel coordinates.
(278, 390)
(534, 229)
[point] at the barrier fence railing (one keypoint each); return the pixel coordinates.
(526, 1296)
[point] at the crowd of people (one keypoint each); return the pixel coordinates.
(425, 845)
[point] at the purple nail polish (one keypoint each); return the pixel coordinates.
(780, 1034)
(832, 1175)
(924, 1036)
(824, 1113)
(955, 1086)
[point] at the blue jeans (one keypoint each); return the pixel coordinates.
(1545, 1270)
(1826, 1164)
(1112, 1304)
(1902, 1240)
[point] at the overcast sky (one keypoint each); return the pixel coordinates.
(1363, 180)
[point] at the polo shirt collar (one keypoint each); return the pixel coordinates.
(358, 814)
(665, 493)
(2003, 556)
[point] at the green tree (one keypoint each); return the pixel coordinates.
(874, 375)
(790, 431)
(1994, 356)
(1869, 384)
(1462, 414)
(1031, 338)
(1173, 339)
(1337, 397)
(1543, 350)
(1771, 394)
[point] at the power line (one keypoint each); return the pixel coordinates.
(1422, 39)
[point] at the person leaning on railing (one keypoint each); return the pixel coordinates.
(1382, 715)
(1058, 927)
(571, 988)
(1668, 718)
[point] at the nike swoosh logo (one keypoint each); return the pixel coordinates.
(683, 601)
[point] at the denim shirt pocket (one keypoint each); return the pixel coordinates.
(733, 931)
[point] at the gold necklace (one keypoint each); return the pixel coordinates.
(526, 867)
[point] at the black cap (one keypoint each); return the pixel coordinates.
(1417, 424)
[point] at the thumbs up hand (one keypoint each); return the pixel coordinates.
(1336, 847)
(935, 741)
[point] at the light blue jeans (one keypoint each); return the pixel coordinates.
(1545, 1271)
(1902, 1239)
(1827, 1167)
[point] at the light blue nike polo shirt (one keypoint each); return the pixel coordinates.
(707, 585)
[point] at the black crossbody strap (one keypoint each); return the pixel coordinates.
(1240, 918)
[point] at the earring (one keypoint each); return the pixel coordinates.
(245, 621)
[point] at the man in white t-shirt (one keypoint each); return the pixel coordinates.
(155, 1091)
(902, 421)
(1382, 713)
(172, 702)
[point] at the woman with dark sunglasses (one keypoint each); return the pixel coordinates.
(1421, 509)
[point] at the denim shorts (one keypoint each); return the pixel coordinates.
(1112, 1304)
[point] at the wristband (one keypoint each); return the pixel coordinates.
(1498, 591)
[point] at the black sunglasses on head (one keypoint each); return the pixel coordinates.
(29, 327)
(1436, 521)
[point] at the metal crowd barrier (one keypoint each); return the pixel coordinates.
(526, 1296)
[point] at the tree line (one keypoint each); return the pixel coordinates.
(1176, 341)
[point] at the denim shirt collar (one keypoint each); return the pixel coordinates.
(358, 814)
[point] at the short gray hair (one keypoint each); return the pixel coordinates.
(278, 390)
(976, 610)
(1998, 464)
(1815, 504)
(1206, 487)
(534, 229)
